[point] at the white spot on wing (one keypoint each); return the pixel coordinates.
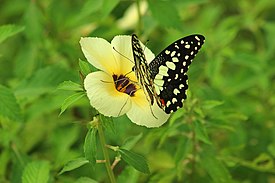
(167, 52)
(181, 86)
(136, 52)
(187, 46)
(176, 91)
(197, 38)
(174, 100)
(186, 57)
(163, 70)
(159, 82)
(184, 64)
(173, 53)
(157, 89)
(158, 76)
(175, 59)
(171, 65)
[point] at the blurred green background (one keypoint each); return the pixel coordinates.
(224, 133)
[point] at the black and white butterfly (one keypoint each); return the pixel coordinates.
(164, 79)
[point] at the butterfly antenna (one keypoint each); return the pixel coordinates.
(123, 55)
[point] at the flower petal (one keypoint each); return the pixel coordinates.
(103, 95)
(124, 54)
(99, 53)
(141, 114)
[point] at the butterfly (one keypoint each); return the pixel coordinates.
(165, 79)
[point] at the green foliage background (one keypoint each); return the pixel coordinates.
(224, 133)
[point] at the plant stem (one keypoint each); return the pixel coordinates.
(105, 153)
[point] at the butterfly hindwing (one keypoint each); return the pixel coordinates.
(168, 71)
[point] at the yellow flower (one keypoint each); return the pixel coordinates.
(114, 90)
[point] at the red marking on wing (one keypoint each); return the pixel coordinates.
(162, 102)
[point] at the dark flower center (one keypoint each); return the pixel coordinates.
(124, 85)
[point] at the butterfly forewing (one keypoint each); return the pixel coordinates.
(141, 69)
(168, 71)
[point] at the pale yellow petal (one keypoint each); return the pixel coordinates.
(123, 54)
(99, 53)
(103, 95)
(141, 114)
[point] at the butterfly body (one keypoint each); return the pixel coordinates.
(164, 79)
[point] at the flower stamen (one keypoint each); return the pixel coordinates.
(123, 84)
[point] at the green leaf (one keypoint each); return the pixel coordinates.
(177, 115)
(74, 164)
(263, 162)
(184, 147)
(167, 162)
(90, 146)
(131, 141)
(37, 171)
(5, 157)
(107, 123)
(9, 108)
(43, 81)
(271, 149)
(69, 85)
(201, 133)
(89, 7)
(135, 160)
(84, 67)
(7, 31)
(33, 19)
(165, 13)
(209, 104)
(107, 7)
(129, 175)
(214, 167)
(70, 100)
(86, 180)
